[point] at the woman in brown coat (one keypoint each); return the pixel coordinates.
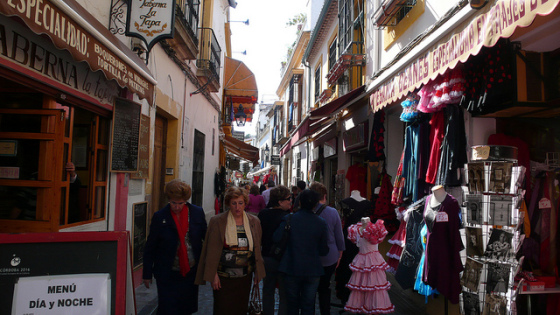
(231, 254)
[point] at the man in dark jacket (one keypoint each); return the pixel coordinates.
(301, 266)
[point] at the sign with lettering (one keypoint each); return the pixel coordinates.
(492, 23)
(126, 136)
(275, 160)
(21, 46)
(150, 20)
(64, 294)
(97, 48)
(65, 273)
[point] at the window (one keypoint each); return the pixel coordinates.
(401, 14)
(345, 24)
(332, 54)
(40, 194)
(317, 83)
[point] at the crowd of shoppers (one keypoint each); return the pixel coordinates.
(233, 252)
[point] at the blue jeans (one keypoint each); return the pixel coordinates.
(269, 288)
(300, 293)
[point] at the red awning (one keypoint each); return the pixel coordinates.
(332, 107)
(300, 132)
(241, 149)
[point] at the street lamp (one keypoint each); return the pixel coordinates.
(240, 117)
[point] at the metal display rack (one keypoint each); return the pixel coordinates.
(492, 226)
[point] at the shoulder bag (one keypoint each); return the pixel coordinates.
(277, 249)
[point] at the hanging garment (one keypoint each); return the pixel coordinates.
(412, 252)
(397, 242)
(368, 284)
(419, 285)
(443, 264)
(357, 176)
(454, 149)
(437, 131)
(377, 141)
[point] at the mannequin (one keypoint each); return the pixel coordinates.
(438, 195)
(355, 194)
(365, 222)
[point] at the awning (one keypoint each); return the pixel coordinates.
(332, 107)
(300, 132)
(241, 149)
(238, 79)
(491, 23)
(73, 28)
(261, 171)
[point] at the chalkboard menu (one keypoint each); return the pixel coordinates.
(143, 149)
(139, 231)
(126, 135)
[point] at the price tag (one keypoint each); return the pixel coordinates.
(442, 217)
(545, 203)
(481, 152)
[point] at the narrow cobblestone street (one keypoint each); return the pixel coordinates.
(407, 302)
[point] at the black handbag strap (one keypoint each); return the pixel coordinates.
(320, 210)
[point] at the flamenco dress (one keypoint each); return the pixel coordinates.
(368, 284)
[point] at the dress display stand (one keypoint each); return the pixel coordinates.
(492, 226)
(368, 284)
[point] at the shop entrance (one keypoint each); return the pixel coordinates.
(158, 198)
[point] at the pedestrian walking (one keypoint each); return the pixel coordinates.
(280, 203)
(256, 201)
(336, 246)
(231, 255)
(301, 264)
(173, 249)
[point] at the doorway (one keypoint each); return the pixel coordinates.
(198, 168)
(160, 139)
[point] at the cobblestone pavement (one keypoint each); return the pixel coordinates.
(406, 301)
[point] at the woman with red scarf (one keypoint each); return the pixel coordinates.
(173, 249)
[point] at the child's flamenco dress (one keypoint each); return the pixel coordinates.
(368, 284)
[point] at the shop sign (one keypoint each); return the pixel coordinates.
(239, 135)
(150, 20)
(63, 294)
(275, 160)
(492, 23)
(44, 17)
(18, 45)
(355, 138)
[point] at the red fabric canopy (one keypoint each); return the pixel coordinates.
(332, 107)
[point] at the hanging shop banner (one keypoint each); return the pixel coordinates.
(150, 20)
(37, 55)
(84, 37)
(498, 19)
(64, 294)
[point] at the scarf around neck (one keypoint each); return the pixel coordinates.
(231, 230)
(182, 224)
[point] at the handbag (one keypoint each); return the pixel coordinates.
(255, 303)
(277, 249)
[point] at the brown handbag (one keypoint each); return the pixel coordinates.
(255, 303)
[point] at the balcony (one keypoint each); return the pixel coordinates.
(325, 96)
(352, 57)
(185, 41)
(209, 62)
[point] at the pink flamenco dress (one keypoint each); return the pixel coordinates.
(368, 284)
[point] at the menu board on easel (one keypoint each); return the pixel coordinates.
(139, 231)
(125, 136)
(143, 149)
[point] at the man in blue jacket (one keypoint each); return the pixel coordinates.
(301, 266)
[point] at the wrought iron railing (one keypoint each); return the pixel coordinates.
(210, 52)
(188, 11)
